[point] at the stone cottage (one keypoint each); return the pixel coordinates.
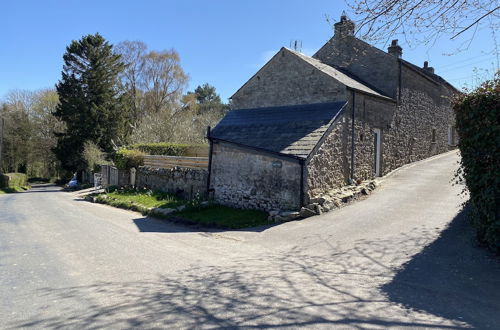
(302, 126)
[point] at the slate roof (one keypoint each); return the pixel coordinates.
(347, 80)
(290, 130)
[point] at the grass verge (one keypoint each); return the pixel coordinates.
(212, 215)
(140, 201)
(14, 189)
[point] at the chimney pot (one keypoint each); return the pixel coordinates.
(345, 27)
(428, 68)
(395, 49)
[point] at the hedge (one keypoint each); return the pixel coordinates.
(171, 149)
(478, 127)
(126, 158)
(11, 180)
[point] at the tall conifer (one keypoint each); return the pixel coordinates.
(90, 102)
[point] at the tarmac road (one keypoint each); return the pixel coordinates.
(403, 258)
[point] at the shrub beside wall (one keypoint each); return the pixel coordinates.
(478, 127)
(11, 180)
(127, 158)
(172, 149)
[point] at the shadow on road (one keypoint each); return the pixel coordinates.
(451, 278)
(43, 188)
(320, 284)
(175, 225)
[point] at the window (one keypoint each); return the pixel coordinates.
(433, 135)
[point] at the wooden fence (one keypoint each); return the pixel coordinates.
(173, 161)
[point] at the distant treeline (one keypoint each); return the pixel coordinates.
(108, 97)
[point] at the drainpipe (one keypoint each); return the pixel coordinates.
(209, 160)
(400, 79)
(352, 135)
(302, 202)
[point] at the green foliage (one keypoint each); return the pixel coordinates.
(14, 180)
(12, 190)
(128, 158)
(170, 149)
(28, 132)
(93, 155)
(478, 126)
(139, 200)
(213, 215)
(90, 102)
(206, 94)
(207, 100)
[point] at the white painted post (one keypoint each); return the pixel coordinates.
(132, 176)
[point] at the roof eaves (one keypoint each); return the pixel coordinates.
(276, 153)
(382, 97)
(325, 134)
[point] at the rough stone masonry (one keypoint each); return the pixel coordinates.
(394, 113)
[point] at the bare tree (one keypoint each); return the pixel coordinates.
(424, 21)
(132, 54)
(163, 79)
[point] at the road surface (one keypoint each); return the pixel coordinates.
(404, 257)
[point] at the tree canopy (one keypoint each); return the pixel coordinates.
(90, 102)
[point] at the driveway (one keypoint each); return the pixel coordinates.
(404, 257)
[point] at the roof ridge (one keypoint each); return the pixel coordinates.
(348, 79)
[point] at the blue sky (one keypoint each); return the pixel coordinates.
(220, 42)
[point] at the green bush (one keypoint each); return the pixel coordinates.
(11, 180)
(478, 127)
(128, 158)
(93, 156)
(171, 149)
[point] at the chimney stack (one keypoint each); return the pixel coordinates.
(395, 49)
(345, 27)
(428, 68)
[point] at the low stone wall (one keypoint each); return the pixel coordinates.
(328, 201)
(184, 182)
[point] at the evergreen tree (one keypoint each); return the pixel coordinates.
(207, 100)
(206, 94)
(90, 102)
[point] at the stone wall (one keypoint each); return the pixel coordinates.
(185, 182)
(406, 135)
(246, 178)
(287, 80)
(328, 167)
(424, 107)
(414, 126)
